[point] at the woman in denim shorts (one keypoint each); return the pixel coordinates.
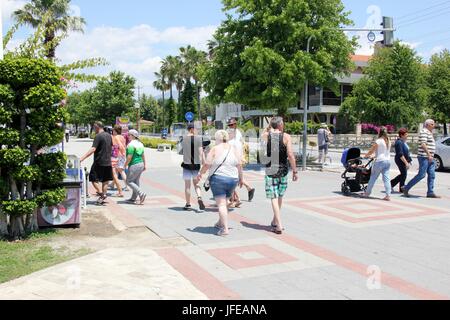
(224, 165)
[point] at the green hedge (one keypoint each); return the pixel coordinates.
(153, 143)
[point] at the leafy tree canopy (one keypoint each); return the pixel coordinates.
(438, 79)
(392, 91)
(259, 54)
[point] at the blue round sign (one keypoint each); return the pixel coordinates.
(189, 117)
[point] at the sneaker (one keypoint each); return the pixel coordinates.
(433, 196)
(406, 193)
(187, 207)
(142, 198)
(251, 195)
(201, 205)
(130, 201)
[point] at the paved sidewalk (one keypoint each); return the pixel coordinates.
(334, 248)
(112, 274)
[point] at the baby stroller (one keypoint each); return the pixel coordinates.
(357, 174)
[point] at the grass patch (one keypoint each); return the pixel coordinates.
(18, 259)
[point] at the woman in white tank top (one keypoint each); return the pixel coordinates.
(382, 166)
(225, 173)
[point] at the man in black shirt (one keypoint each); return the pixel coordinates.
(193, 158)
(101, 171)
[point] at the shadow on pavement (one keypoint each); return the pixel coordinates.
(204, 230)
(256, 227)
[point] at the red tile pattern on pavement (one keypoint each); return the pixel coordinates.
(199, 277)
(357, 211)
(389, 280)
(268, 256)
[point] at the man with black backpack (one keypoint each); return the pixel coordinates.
(193, 159)
(280, 155)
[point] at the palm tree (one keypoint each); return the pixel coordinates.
(55, 17)
(169, 68)
(161, 85)
(193, 59)
(180, 76)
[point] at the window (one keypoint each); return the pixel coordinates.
(446, 142)
(314, 96)
(347, 90)
(330, 99)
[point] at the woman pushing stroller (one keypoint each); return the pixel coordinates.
(382, 151)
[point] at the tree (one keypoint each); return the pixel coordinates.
(79, 107)
(393, 90)
(438, 79)
(187, 101)
(171, 110)
(113, 97)
(194, 61)
(31, 112)
(259, 54)
(169, 68)
(54, 15)
(149, 108)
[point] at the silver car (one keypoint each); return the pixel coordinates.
(442, 156)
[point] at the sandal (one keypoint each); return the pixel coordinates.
(218, 226)
(275, 226)
(276, 231)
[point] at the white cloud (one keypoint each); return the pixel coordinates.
(9, 6)
(426, 55)
(132, 50)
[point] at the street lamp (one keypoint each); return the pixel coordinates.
(137, 106)
(305, 113)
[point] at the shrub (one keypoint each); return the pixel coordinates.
(368, 128)
(153, 143)
(33, 179)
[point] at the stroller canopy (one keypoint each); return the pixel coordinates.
(350, 154)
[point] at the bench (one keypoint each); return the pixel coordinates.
(163, 147)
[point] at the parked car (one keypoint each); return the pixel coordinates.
(442, 156)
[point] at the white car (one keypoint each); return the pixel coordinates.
(442, 155)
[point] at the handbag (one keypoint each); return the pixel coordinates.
(207, 184)
(180, 147)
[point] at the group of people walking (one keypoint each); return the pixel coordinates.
(222, 170)
(222, 167)
(114, 157)
(381, 151)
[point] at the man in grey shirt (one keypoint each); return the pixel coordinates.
(427, 164)
(193, 158)
(323, 137)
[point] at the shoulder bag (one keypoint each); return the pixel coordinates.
(207, 184)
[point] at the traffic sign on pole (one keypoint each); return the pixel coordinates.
(189, 117)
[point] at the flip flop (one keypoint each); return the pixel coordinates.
(276, 231)
(275, 226)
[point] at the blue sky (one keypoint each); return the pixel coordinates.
(135, 35)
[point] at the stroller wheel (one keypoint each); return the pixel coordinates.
(346, 190)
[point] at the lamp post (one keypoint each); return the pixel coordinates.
(137, 106)
(305, 114)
